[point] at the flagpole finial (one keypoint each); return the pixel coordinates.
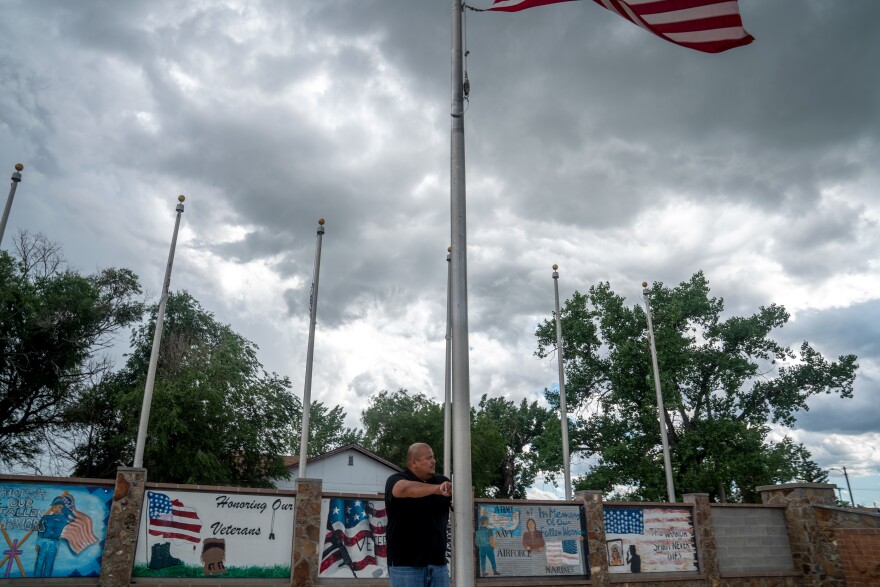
(321, 221)
(449, 249)
(181, 198)
(644, 284)
(555, 266)
(19, 167)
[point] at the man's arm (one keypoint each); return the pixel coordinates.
(404, 488)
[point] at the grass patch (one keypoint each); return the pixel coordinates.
(190, 571)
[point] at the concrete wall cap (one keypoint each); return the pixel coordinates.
(830, 486)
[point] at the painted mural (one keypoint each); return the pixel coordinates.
(650, 540)
(188, 534)
(530, 540)
(52, 530)
(354, 539)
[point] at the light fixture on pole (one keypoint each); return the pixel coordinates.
(310, 355)
(157, 339)
(16, 179)
(563, 413)
(661, 413)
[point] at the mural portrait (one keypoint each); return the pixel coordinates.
(52, 530)
(531, 540)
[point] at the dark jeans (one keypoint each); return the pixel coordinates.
(430, 576)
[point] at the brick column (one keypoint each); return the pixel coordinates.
(596, 550)
(306, 533)
(704, 533)
(122, 528)
(813, 548)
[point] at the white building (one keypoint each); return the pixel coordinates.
(347, 469)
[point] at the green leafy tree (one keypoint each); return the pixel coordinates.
(217, 417)
(724, 380)
(55, 325)
(393, 420)
(518, 427)
(327, 429)
(501, 433)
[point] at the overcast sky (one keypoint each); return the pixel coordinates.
(590, 143)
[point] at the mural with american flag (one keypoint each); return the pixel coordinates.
(231, 534)
(650, 539)
(354, 538)
(51, 530)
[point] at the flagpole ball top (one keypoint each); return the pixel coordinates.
(321, 221)
(449, 249)
(19, 167)
(181, 198)
(555, 266)
(644, 284)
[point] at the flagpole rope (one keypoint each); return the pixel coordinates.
(467, 82)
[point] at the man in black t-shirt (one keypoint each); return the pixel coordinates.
(417, 501)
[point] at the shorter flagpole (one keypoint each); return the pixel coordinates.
(563, 413)
(310, 355)
(16, 179)
(661, 412)
(157, 339)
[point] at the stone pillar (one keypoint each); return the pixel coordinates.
(813, 548)
(306, 533)
(122, 528)
(704, 533)
(596, 550)
(785, 493)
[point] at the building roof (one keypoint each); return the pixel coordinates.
(292, 461)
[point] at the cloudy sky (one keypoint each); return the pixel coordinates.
(590, 143)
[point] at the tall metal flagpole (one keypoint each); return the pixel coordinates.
(447, 406)
(462, 496)
(310, 355)
(16, 179)
(563, 413)
(157, 339)
(661, 413)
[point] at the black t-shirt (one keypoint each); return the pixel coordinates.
(416, 532)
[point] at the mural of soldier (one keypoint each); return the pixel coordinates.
(52, 524)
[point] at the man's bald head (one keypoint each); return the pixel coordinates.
(420, 460)
(415, 451)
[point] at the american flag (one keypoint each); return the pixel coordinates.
(355, 535)
(710, 26)
(562, 552)
(517, 5)
(79, 533)
(171, 519)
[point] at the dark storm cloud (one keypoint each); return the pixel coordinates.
(750, 125)
(854, 329)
